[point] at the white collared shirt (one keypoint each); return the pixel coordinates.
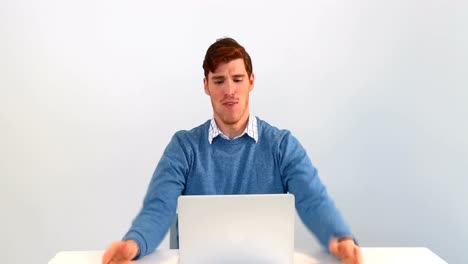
(251, 130)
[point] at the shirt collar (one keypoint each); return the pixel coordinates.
(251, 130)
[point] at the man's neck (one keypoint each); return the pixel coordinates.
(233, 130)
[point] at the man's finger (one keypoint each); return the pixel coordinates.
(346, 249)
(354, 258)
(127, 251)
(110, 252)
(333, 246)
(358, 254)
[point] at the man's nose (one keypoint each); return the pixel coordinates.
(230, 87)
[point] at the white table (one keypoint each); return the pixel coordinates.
(372, 255)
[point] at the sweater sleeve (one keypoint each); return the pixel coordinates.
(159, 206)
(315, 207)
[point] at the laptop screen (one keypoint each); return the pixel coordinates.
(236, 229)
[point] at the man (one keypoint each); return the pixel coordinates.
(233, 153)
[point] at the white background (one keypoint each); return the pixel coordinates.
(92, 91)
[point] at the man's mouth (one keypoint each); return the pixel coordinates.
(230, 103)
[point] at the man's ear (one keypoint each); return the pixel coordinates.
(205, 85)
(251, 82)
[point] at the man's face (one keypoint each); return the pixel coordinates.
(229, 87)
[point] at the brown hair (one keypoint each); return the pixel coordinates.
(225, 50)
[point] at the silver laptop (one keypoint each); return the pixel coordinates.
(236, 229)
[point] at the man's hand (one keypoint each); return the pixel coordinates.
(120, 252)
(346, 250)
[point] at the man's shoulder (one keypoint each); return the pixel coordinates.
(195, 133)
(266, 129)
(279, 138)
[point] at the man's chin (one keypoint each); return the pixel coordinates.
(230, 121)
(230, 118)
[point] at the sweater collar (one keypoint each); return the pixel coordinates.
(251, 130)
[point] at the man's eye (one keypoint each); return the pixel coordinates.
(218, 82)
(237, 80)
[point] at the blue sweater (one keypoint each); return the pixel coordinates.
(277, 163)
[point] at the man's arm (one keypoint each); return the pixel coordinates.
(313, 204)
(167, 184)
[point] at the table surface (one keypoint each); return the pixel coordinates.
(372, 255)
